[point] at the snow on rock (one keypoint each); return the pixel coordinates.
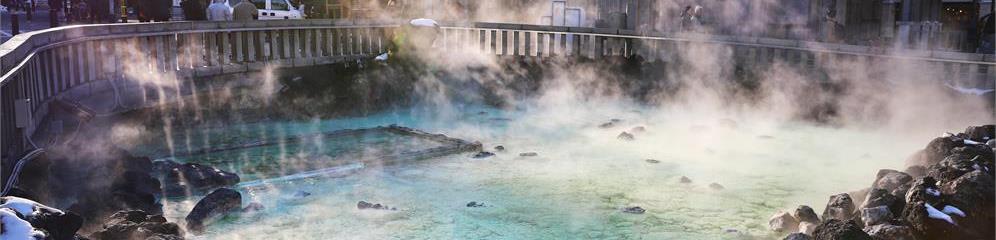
(936, 214)
(25, 207)
(970, 142)
(14, 228)
(423, 22)
(951, 210)
(934, 192)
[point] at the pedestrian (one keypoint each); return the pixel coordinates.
(245, 11)
(193, 10)
(219, 11)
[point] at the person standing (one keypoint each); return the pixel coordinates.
(245, 11)
(219, 11)
(193, 10)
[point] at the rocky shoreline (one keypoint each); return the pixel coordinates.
(946, 192)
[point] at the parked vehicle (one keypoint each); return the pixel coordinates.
(274, 9)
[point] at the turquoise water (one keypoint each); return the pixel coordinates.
(574, 189)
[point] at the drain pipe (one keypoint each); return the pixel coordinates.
(17, 169)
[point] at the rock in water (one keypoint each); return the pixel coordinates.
(806, 214)
(181, 179)
(638, 129)
(875, 215)
(475, 204)
(528, 154)
(840, 207)
(890, 232)
(136, 224)
(685, 179)
(783, 222)
(483, 154)
(364, 205)
(797, 236)
(625, 136)
(212, 207)
(833, 229)
(500, 148)
(634, 210)
(716, 186)
(652, 161)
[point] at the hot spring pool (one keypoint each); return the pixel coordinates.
(574, 188)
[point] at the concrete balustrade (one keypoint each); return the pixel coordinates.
(89, 59)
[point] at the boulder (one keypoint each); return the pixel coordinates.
(716, 186)
(806, 214)
(797, 236)
(783, 222)
(474, 204)
(974, 194)
(807, 227)
(890, 232)
(192, 178)
(981, 133)
(137, 224)
(895, 182)
(834, 229)
(939, 148)
(366, 205)
(879, 197)
(652, 160)
(924, 190)
(212, 207)
(499, 148)
(625, 136)
(872, 216)
(928, 222)
(840, 207)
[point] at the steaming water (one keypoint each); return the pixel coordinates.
(575, 187)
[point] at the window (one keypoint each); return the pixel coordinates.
(260, 4)
(279, 5)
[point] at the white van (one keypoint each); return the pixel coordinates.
(274, 9)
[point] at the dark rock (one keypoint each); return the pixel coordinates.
(797, 236)
(974, 194)
(607, 125)
(138, 225)
(981, 133)
(685, 179)
(625, 136)
(939, 148)
(916, 214)
(499, 148)
(879, 197)
(783, 222)
(916, 171)
(638, 129)
(192, 178)
(253, 207)
(924, 190)
(716, 186)
(834, 229)
(214, 206)
(475, 204)
(840, 207)
(872, 216)
(301, 194)
(634, 210)
(528, 154)
(890, 232)
(895, 182)
(652, 161)
(806, 214)
(364, 205)
(58, 225)
(483, 154)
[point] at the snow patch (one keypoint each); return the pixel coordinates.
(15, 228)
(970, 142)
(381, 58)
(935, 214)
(25, 207)
(972, 91)
(934, 192)
(951, 210)
(424, 22)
